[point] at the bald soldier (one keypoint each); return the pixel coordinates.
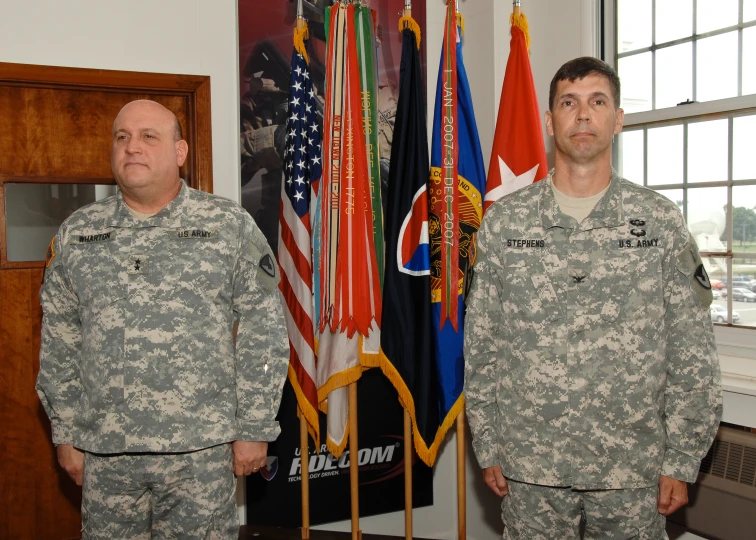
(154, 406)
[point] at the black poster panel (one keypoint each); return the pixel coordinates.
(274, 494)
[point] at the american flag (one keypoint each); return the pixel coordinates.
(302, 170)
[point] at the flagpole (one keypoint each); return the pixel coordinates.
(516, 4)
(461, 482)
(407, 476)
(354, 458)
(407, 419)
(460, 423)
(304, 452)
(305, 474)
(300, 15)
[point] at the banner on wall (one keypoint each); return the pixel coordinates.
(265, 47)
(265, 56)
(274, 495)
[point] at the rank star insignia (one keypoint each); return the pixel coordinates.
(137, 264)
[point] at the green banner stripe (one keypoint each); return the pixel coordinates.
(369, 93)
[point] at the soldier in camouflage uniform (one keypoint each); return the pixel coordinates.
(592, 380)
(154, 404)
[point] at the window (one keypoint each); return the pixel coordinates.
(688, 72)
(34, 211)
(674, 51)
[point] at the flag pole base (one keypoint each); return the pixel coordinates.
(305, 483)
(354, 452)
(461, 484)
(407, 476)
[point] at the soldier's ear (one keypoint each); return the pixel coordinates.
(620, 121)
(182, 149)
(549, 126)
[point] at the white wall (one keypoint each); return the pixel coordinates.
(200, 37)
(193, 37)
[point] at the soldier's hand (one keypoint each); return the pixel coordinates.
(249, 456)
(495, 480)
(673, 495)
(72, 461)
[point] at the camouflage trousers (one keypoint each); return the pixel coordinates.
(145, 495)
(534, 512)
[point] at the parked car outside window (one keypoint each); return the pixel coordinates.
(743, 295)
(719, 314)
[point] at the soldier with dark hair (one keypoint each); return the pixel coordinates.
(592, 381)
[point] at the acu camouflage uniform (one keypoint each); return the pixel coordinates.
(590, 354)
(137, 351)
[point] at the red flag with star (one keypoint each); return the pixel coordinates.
(518, 157)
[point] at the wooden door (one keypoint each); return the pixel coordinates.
(55, 126)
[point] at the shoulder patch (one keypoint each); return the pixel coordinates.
(50, 253)
(690, 264)
(267, 265)
(702, 277)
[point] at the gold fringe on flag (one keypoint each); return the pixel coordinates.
(311, 415)
(300, 35)
(426, 453)
(408, 23)
(461, 23)
(521, 22)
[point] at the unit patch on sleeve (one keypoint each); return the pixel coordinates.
(50, 253)
(690, 264)
(268, 266)
(702, 277)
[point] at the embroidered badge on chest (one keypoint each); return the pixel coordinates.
(190, 234)
(637, 229)
(137, 264)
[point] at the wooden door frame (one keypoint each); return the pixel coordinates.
(198, 131)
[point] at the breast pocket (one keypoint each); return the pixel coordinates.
(627, 285)
(530, 295)
(94, 269)
(190, 273)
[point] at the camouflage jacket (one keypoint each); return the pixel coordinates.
(590, 353)
(137, 351)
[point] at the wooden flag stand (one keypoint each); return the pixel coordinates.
(304, 452)
(354, 464)
(461, 481)
(407, 476)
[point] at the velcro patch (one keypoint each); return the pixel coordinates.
(50, 253)
(136, 264)
(268, 265)
(690, 264)
(194, 234)
(702, 277)
(95, 238)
